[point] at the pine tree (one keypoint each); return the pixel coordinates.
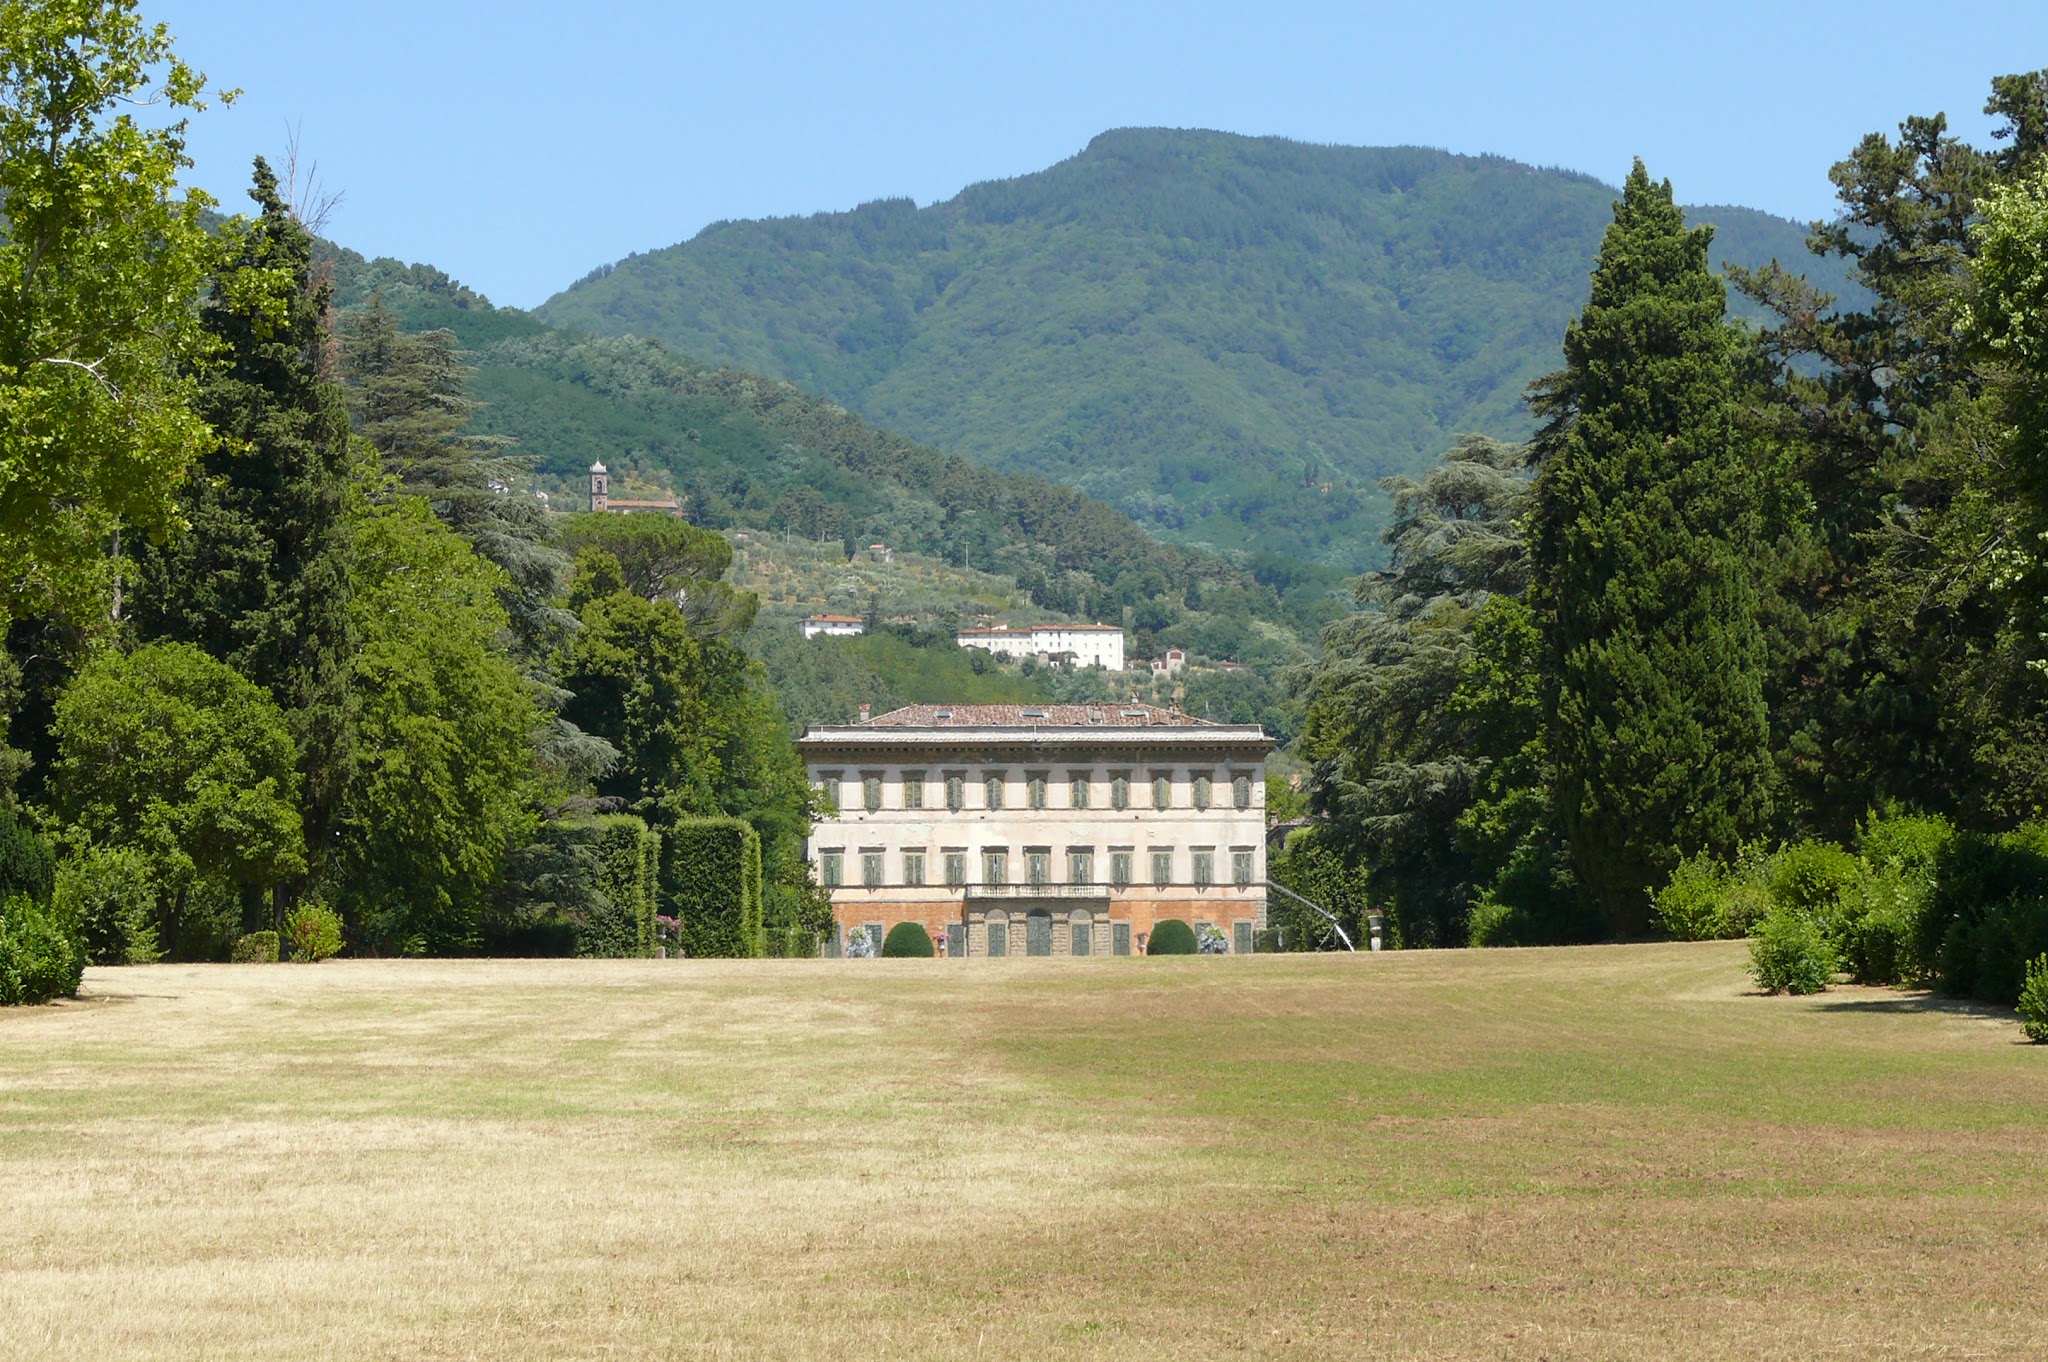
(407, 397)
(260, 581)
(1645, 520)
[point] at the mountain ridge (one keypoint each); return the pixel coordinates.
(1229, 338)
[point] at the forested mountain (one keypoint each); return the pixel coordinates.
(753, 452)
(1228, 338)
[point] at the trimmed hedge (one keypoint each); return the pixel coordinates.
(711, 880)
(908, 941)
(39, 958)
(1171, 937)
(627, 853)
(255, 948)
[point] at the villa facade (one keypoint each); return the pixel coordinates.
(1059, 645)
(1041, 830)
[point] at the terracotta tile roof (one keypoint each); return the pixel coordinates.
(1035, 716)
(832, 619)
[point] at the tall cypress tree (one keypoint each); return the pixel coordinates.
(1643, 530)
(261, 579)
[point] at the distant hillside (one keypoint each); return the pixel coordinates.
(748, 452)
(1228, 338)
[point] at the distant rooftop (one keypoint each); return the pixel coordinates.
(1036, 716)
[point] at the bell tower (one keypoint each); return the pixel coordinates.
(600, 488)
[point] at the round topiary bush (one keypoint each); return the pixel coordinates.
(1171, 937)
(1791, 954)
(907, 941)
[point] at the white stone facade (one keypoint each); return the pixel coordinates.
(833, 626)
(1061, 830)
(1076, 645)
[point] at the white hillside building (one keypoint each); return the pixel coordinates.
(1058, 645)
(833, 626)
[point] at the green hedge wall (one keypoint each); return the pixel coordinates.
(628, 858)
(711, 881)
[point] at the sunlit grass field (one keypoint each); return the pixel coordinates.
(1598, 1153)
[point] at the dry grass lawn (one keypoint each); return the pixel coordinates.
(1599, 1153)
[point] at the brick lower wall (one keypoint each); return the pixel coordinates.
(1140, 914)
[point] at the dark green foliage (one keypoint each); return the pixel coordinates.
(1791, 954)
(1400, 758)
(1229, 338)
(41, 956)
(2033, 1004)
(108, 893)
(1171, 936)
(1986, 913)
(1313, 868)
(662, 557)
(1646, 514)
(27, 865)
(313, 931)
(170, 752)
(908, 941)
(260, 580)
(711, 880)
(408, 396)
(445, 727)
(255, 948)
(1902, 629)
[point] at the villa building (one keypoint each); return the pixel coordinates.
(833, 626)
(1041, 830)
(1057, 645)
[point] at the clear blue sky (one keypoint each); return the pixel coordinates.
(519, 144)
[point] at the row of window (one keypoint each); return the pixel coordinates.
(1038, 866)
(1080, 787)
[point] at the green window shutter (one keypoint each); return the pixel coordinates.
(1120, 938)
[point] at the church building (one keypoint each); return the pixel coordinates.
(1041, 830)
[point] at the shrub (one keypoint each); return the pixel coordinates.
(39, 958)
(1985, 913)
(256, 948)
(108, 895)
(314, 931)
(1911, 844)
(1690, 905)
(1210, 940)
(711, 879)
(1875, 930)
(1171, 936)
(860, 945)
(1813, 878)
(907, 941)
(1489, 922)
(1791, 954)
(2034, 1001)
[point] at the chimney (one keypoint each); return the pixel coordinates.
(866, 710)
